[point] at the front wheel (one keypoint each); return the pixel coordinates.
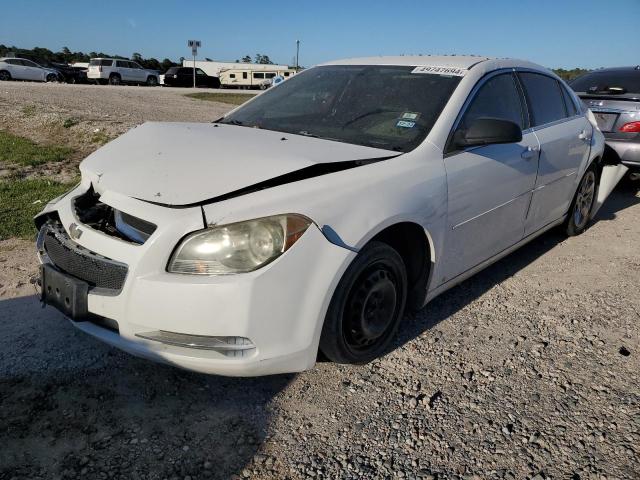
(583, 201)
(115, 80)
(52, 77)
(152, 81)
(366, 307)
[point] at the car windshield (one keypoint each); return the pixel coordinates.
(386, 107)
(613, 82)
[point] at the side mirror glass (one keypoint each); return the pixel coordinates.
(487, 131)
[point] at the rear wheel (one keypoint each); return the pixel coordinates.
(4, 75)
(582, 205)
(366, 307)
(115, 79)
(152, 81)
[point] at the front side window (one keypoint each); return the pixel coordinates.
(258, 75)
(544, 98)
(387, 107)
(498, 98)
(199, 72)
(269, 75)
(232, 75)
(29, 63)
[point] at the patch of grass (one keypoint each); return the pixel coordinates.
(100, 138)
(22, 151)
(29, 110)
(231, 98)
(70, 122)
(20, 200)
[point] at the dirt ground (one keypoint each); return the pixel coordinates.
(529, 370)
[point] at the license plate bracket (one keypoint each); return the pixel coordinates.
(66, 293)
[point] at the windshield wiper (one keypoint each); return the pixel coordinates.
(366, 114)
(233, 122)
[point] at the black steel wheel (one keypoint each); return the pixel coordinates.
(366, 307)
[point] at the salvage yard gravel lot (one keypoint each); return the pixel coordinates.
(531, 369)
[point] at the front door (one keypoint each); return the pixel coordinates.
(489, 187)
(564, 135)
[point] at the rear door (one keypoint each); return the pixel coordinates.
(564, 134)
(16, 69)
(489, 187)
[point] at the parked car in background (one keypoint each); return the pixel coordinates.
(311, 217)
(251, 78)
(68, 73)
(25, 69)
(183, 77)
(613, 95)
(115, 71)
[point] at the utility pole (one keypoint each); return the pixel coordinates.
(297, 55)
(194, 44)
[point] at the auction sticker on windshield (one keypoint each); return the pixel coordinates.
(458, 72)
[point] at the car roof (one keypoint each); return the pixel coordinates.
(453, 61)
(615, 69)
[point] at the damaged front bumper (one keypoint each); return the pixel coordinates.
(262, 322)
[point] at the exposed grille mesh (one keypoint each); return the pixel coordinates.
(94, 269)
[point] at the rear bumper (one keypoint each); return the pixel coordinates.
(627, 151)
(280, 308)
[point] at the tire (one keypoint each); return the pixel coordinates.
(582, 204)
(4, 75)
(152, 81)
(115, 79)
(367, 306)
(51, 77)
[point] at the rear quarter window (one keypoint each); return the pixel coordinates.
(544, 98)
(101, 63)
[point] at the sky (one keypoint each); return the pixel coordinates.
(558, 33)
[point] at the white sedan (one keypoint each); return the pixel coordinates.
(23, 69)
(313, 216)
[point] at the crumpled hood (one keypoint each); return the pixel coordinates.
(186, 163)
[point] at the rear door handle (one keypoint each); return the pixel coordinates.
(530, 152)
(584, 136)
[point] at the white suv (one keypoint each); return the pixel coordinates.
(116, 71)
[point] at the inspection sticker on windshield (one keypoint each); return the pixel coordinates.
(410, 115)
(405, 124)
(457, 72)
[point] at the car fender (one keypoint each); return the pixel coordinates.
(352, 206)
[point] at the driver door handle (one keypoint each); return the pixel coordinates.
(530, 152)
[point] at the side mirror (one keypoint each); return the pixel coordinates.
(487, 131)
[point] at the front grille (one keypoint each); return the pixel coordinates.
(96, 270)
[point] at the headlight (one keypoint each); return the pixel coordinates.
(237, 247)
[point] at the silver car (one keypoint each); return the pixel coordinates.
(613, 95)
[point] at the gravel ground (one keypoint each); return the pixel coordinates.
(529, 370)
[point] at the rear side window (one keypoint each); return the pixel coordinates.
(616, 81)
(100, 62)
(173, 71)
(122, 64)
(185, 71)
(244, 75)
(569, 102)
(544, 97)
(258, 75)
(497, 98)
(12, 61)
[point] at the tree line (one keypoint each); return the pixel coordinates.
(67, 56)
